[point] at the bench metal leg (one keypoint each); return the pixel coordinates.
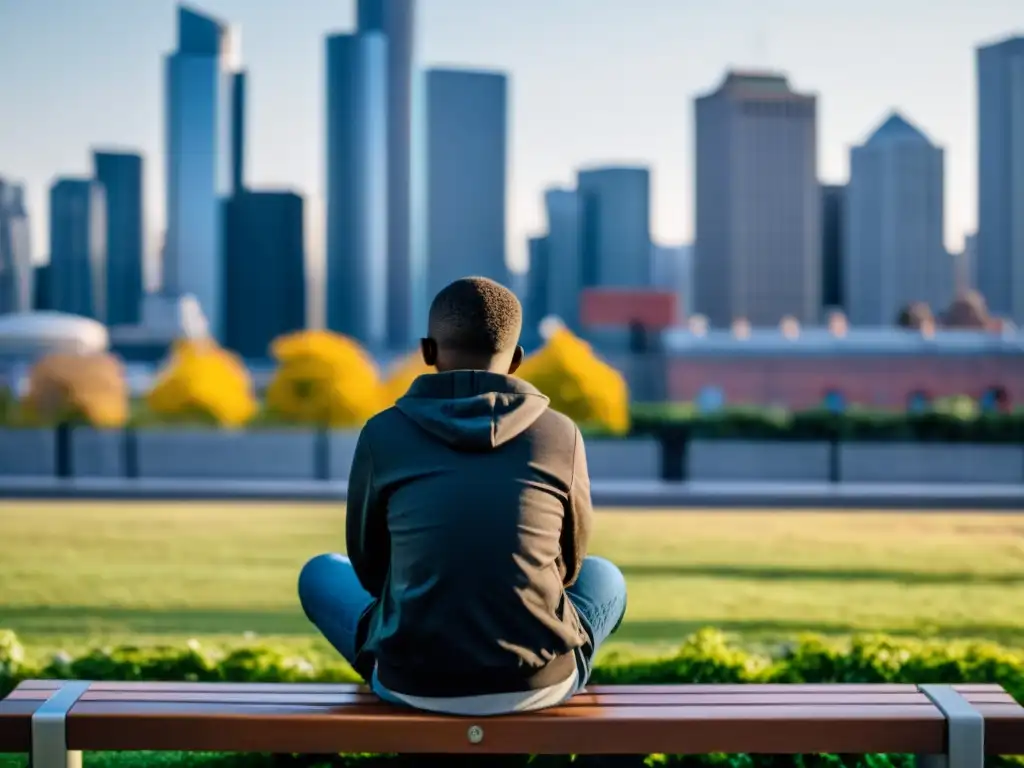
(49, 729)
(965, 730)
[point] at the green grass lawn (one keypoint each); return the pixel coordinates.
(84, 574)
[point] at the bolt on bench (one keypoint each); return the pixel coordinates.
(947, 726)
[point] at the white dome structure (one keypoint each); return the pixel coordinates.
(25, 336)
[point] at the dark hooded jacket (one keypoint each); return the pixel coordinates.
(468, 514)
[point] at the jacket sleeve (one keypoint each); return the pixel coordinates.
(579, 520)
(368, 541)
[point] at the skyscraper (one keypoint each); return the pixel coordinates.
(357, 231)
(466, 175)
(894, 239)
(200, 88)
(564, 255)
(265, 270)
(616, 207)
(538, 284)
(672, 268)
(78, 248)
(758, 203)
(120, 173)
(396, 20)
(833, 218)
(16, 272)
(239, 81)
(1000, 263)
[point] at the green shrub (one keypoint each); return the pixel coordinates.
(856, 424)
(706, 657)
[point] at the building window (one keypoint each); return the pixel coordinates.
(710, 399)
(995, 400)
(834, 401)
(918, 401)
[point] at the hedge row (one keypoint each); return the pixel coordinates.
(752, 423)
(706, 657)
(681, 422)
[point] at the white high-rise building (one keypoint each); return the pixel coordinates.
(200, 124)
(894, 251)
(16, 272)
(758, 203)
(1000, 258)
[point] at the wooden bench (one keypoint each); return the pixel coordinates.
(952, 726)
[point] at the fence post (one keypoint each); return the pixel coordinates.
(674, 448)
(62, 445)
(835, 470)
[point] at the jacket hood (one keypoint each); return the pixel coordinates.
(472, 410)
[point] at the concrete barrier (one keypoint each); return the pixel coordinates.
(257, 454)
(28, 453)
(341, 448)
(930, 463)
(97, 452)
(779, 461)
(624, 459)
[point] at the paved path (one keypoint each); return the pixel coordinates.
(605, 493)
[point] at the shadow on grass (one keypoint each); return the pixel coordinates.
(86, 621)
(786, 573)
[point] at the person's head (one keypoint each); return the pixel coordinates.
(474, 324)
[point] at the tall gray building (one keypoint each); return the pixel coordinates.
(200, 82)
(16, 271)
(538, 283)
(120, 173)
(616, 241)
(1000, 262)
(396, 20)
(758, 204)
(672, 269)
(466, 175)
(78, 248)
(356, 211)
(564, 250)
(894, 234)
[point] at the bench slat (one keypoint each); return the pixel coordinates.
(584, 699)
(579, 730)
(780, 719)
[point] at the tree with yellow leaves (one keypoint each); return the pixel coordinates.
(205, 383)
(77, 389)
(324, 379)
(579, 383)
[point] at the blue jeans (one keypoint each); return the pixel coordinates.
(338, 606)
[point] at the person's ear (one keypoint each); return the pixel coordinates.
(517, 359)
(428, 348)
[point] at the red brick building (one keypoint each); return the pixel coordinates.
(883, 368)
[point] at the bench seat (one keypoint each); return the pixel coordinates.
(627, 719)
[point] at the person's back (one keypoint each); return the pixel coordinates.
(468, 517)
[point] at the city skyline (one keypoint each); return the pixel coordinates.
(636, 108)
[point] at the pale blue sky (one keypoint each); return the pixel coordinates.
(592, 81)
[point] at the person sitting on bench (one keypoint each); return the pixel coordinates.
(467, 589)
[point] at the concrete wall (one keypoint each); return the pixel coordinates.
(758, 461)
(634, 459)
(296, 455)
(255, 455)
(97, 453)
(28, 453)
(927, 463)
(342, 447)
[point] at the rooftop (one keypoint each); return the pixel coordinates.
(856, 341)
(897, 130)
